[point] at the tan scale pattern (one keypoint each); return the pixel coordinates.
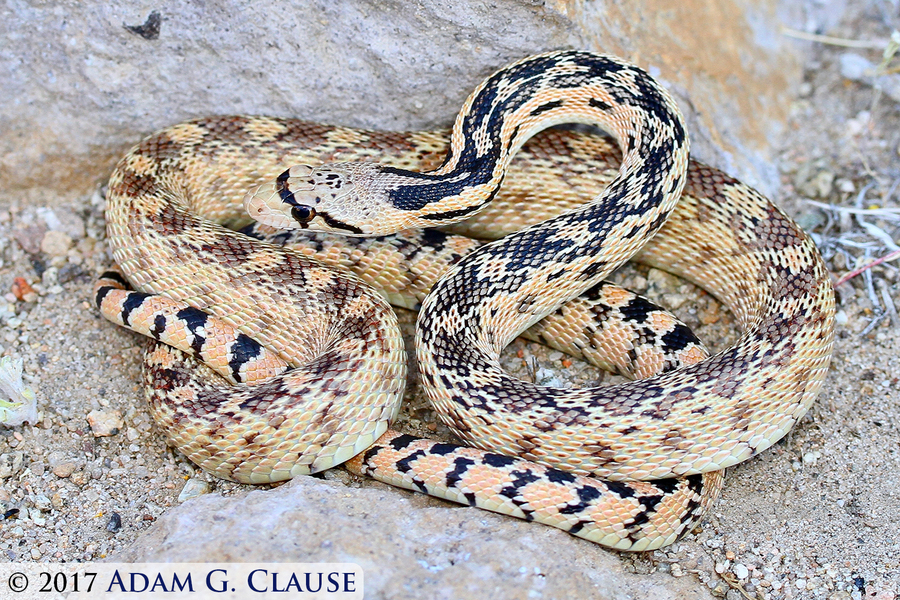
(167, 191)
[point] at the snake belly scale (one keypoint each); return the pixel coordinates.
(170, 196)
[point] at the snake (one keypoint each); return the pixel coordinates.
(267, 364)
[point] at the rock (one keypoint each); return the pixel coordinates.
(10, 464)
(409, 546)
(819, 185)
(192, 488)
(63, 219)
(56, 243)
(29, 237)
(65, 469)
(114, 524)
(22, 290)
(860, 69)
(105, 423)
(368, 63)
(42, 502)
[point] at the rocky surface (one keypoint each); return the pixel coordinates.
(425, 545)
(83, 82)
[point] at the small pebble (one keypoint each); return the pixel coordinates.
(22, 290)
(846, 186)
(65, 469)
(193, 488)
(114, 523)
(740, 571)
(56, 243)
(42, 502)
(10, 464)
(105, 423)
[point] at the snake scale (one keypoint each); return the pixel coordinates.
(274, 365)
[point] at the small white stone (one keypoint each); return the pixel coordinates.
(105, 423)
(846, 186)
(56, 243)
(740, 571)
(193, 488)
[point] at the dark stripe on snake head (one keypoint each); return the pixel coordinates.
(195, 320)
(243, 351)
(338, 224)
(287, 196)
(132, 301)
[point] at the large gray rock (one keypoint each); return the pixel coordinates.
(409, 546)
(79, 86)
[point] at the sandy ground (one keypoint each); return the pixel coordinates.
(814, 517)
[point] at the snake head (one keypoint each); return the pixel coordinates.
(346, 198)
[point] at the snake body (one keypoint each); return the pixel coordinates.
(307, 413)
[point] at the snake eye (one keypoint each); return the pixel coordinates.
(303, 214)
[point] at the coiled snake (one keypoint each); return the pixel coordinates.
(287, 367)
